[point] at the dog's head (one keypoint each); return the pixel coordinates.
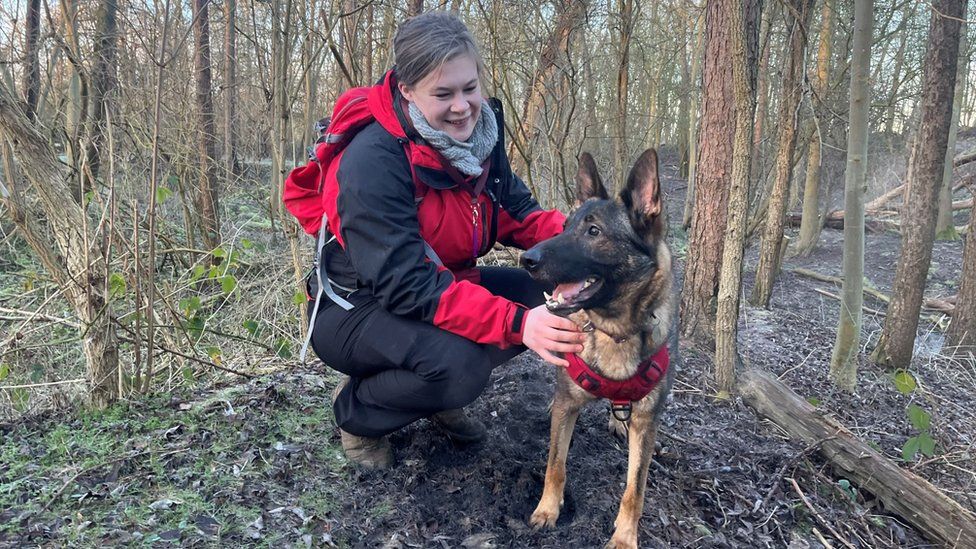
(611, 251)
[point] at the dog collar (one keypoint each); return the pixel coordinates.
(621, 393)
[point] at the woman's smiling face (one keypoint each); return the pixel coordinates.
(449, 97)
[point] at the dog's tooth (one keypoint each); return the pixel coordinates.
(547, 295)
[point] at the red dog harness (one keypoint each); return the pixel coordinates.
(621, 393)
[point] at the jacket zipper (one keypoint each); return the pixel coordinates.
(474, 227)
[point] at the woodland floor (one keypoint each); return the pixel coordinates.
(258, 463)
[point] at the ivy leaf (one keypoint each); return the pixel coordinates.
(188, 373)
(228, 283)
(910, 448)
(4, 371)
(116, 285)
(162, 194)
(198, 272)
(190, 305)
(299, 298)
(920, 419)
(251, 326)
(194, 327)
(926, 444)
(246, 244)
(904, 382)
(214, 354)
(219, 252)
(283, 348)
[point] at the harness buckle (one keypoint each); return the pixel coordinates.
(621, 410)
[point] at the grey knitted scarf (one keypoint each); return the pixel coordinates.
(466, 156)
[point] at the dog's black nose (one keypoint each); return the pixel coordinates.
(530, 259)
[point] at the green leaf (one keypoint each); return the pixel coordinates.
(920, 419)
(37, 373)
(299, 298)
(116, 285)
(228, 283)
(20, 398)
(89, 196)
(847, 488)
(904, 382)
(188, 373)
(219, 252)
(190, 305)
(926, 444)
(4, 371)
(251, 326)
(813, 401)
(214, 272)
(283, 348)
(162, 194)
(194, 327)
(198, 272)
(910, 448)
(246, 244)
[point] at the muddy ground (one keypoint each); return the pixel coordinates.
(257, 463)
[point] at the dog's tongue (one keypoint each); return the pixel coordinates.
(568, 290)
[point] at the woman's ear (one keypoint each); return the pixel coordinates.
(406, 91)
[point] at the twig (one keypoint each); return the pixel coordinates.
(790, 463)
(816, 515)
(32, 385)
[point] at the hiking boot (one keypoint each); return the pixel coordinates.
(366, 452)
(459, 427)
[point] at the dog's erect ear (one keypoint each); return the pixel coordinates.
(642, 196)
(588, 182)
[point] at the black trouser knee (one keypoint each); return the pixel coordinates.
(403, 370)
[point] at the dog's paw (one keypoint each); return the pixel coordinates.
(617, 428)
(544, 517)
(622, 541)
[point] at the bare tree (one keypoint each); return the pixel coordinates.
(208, 195)
(230, 92)
(961, 335)
(770, 252)
(844, 360)
(944, 227)
(50, 219)
(712, 179)
(924, 177)
(103, 82)
(730, 281)
(32, 72)
(625, 31)
(810, 221)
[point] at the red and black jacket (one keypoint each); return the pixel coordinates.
(371, 201)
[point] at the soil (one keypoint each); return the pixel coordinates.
(722, 477)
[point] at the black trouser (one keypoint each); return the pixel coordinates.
(402, 370)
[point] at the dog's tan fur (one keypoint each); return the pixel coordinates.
(614, 349)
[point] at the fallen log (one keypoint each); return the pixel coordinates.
(904, 493)
(946, 305)
(870, 225)
(964, 158)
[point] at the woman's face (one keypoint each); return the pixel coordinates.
(449, 97)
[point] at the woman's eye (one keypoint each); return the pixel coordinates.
(593, 230)
(469, 90)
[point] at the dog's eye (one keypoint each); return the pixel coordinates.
(593, 230)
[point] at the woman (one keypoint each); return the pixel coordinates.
(414, 199)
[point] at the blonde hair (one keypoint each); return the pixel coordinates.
(427, 41)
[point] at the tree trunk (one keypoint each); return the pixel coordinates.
(713, 175)
(961, 335)
(32, 69)
(208, 195)
(103, 83)
(810, 224)
(625, 11)
(770, 12)
(553, 53)
(730, 281)
(798, 18)
(415, 7)
(844, 360)
(230, 93)
(351, 53)
(79, 253)
(923, 180)
(693, 121)
(944, 229)
(911, 497)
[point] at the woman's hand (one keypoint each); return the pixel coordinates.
(546, 333)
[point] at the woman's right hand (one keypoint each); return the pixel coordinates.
(546, 333)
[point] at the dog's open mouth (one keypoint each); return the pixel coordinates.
(571, 296)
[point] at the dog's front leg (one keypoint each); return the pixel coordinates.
(641, 434)
(564, 414)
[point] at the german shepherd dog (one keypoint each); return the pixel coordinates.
(611, 269)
